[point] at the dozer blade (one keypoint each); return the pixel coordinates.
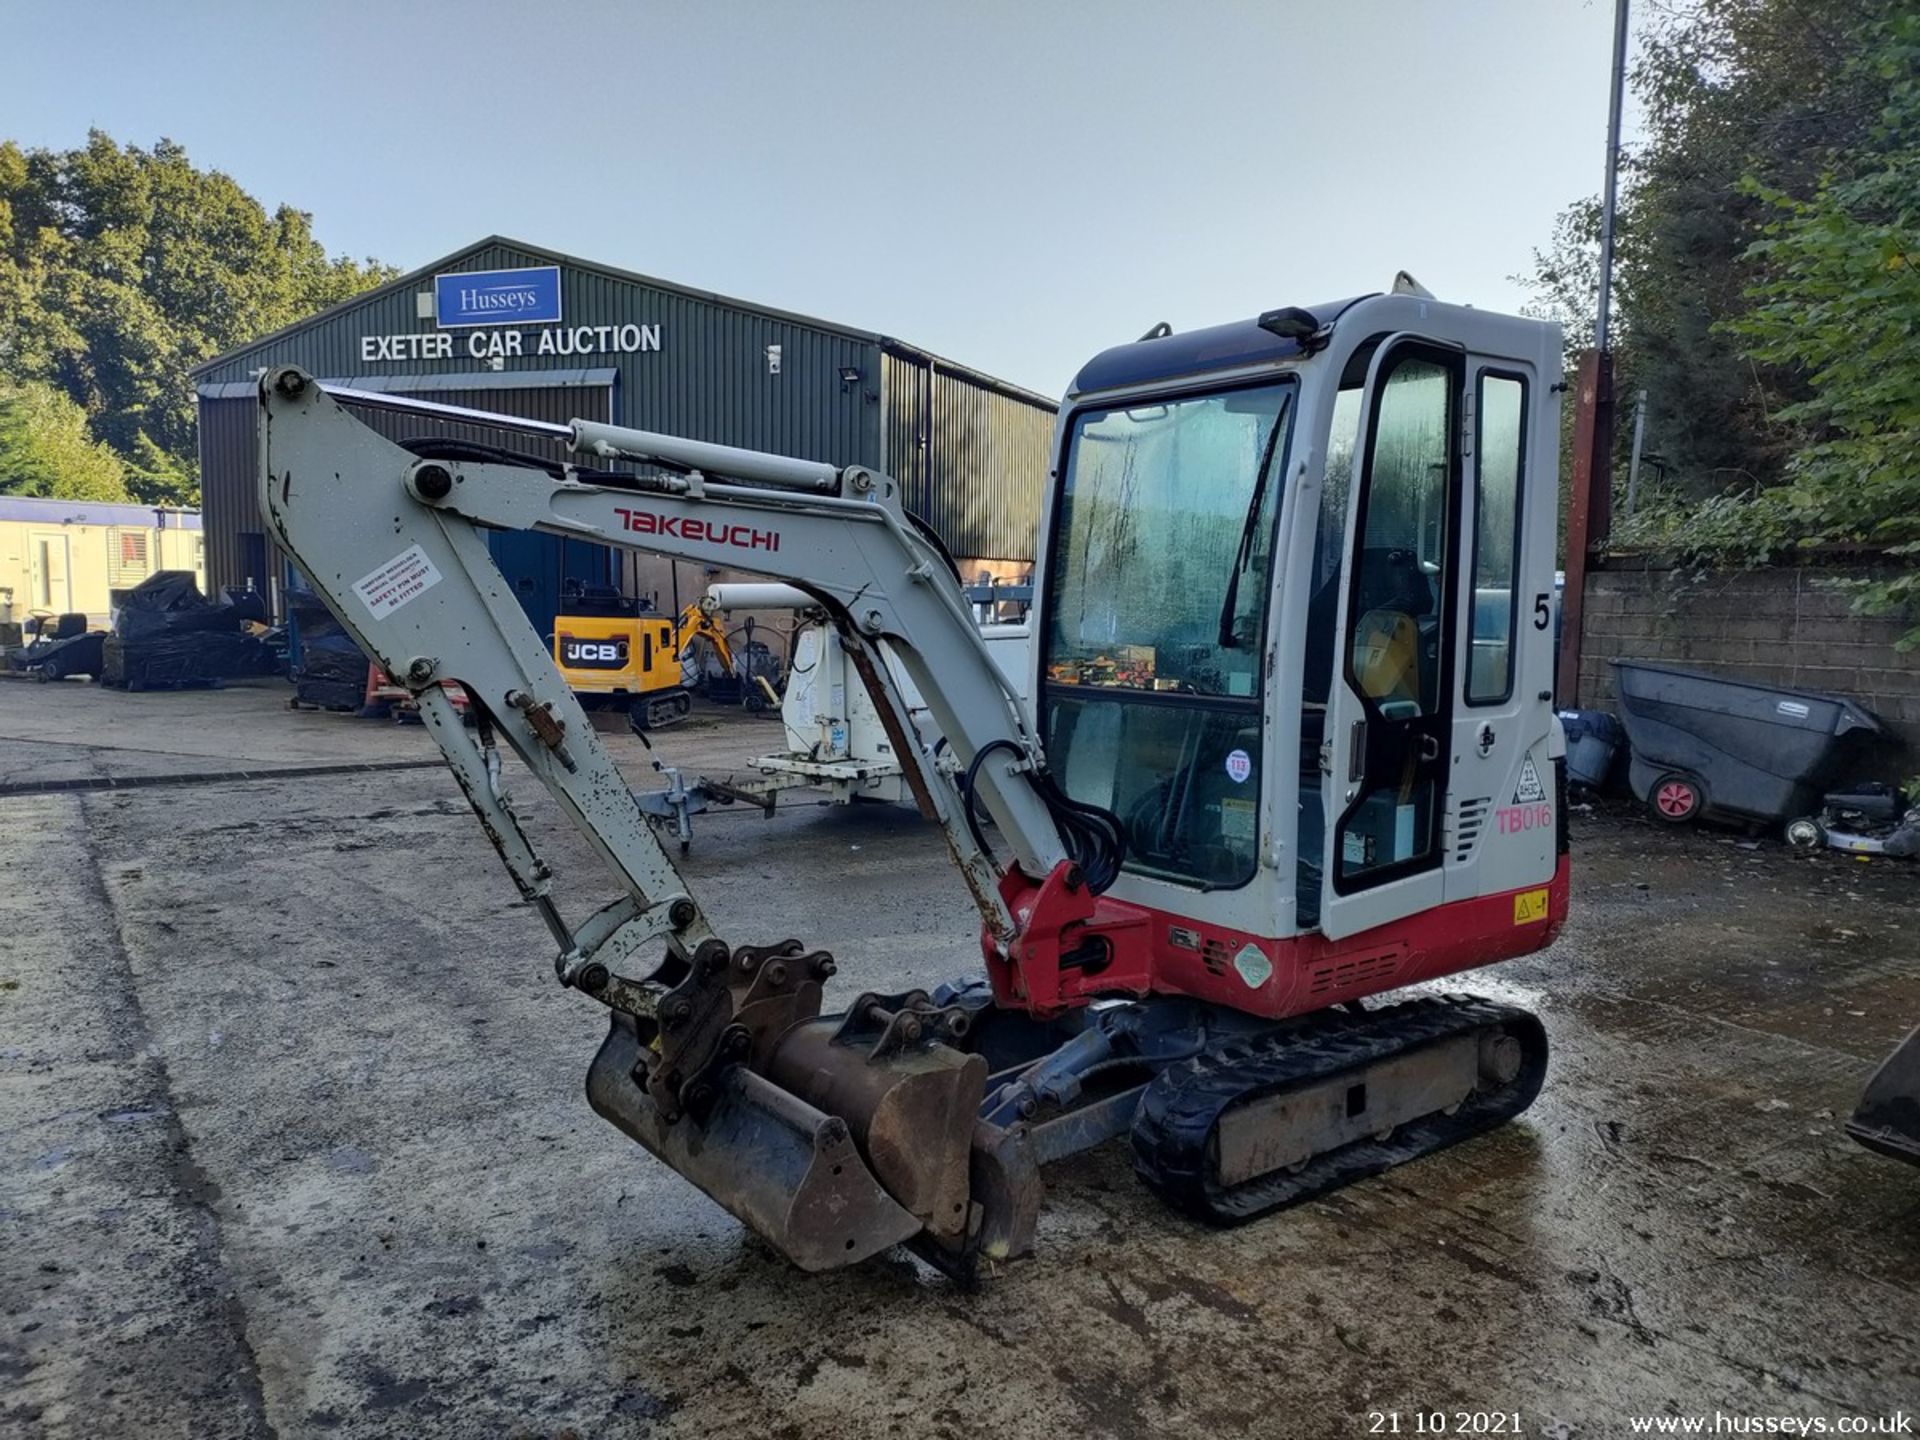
(1887, 1120)
(789, 1172)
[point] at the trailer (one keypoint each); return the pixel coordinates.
(835, 740)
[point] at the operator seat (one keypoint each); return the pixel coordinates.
(1386, 661)
(1388, 656)
(1389, 649)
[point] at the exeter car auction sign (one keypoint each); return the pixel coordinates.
(508, 344)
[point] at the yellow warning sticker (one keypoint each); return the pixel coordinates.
(1529, 907)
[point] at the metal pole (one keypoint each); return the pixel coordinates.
(1607, 203)
(1590, 506)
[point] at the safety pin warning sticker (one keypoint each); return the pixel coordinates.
(407, 576)
(1530, 791)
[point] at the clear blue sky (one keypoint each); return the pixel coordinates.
(1013, 185)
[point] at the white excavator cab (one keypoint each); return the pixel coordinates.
(1294, 627)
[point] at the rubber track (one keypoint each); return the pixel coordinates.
(1178, 1112)
(665, 699)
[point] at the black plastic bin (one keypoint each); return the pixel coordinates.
(1704, 745)
(1592, 738)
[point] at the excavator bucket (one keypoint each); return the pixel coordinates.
(788, 1171)
(1887, 1120)
(831, 1136)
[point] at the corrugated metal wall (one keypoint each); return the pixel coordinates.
(535, 565)
(229, 504)
(709, 379)
(976, 477)
(972, 457)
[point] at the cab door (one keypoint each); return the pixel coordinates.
(1499, 817)
(1391, 706)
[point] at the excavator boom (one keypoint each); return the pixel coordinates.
(682, 1069)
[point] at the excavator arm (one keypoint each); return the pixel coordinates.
(696, 622)
(392, 542)
(717, 1060)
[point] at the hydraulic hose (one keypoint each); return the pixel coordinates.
(1092, 835)
(435, 447)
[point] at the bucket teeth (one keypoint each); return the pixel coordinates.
(911, 1105)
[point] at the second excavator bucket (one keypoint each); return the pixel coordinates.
(1887, 1120)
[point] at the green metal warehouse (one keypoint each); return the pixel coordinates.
(507, 326)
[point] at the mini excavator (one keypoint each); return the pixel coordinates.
(1290, 745)
(612, 651)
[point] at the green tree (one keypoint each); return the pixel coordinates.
(1840, 305)
(45, 448)
(122, 268)
(1728, 90)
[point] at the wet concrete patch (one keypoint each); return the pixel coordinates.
(406, 1221)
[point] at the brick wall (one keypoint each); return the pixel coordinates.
(1788, 626)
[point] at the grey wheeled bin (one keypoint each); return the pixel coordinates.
(1704, 745)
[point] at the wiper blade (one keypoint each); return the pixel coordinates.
(1243, 555)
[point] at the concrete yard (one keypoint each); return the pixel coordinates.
(292, 1142)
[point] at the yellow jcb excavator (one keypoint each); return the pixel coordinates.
(615, 652)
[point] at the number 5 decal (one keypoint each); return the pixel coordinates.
(1542, 612)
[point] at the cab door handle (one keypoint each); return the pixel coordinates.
(1429, 748)
(1357, 751)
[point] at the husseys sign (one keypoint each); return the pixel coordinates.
(479, 302)
(488, 297)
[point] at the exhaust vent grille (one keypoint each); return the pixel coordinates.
(1468, 821)
(1360, 972)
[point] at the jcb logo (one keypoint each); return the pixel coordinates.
(593, 654)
